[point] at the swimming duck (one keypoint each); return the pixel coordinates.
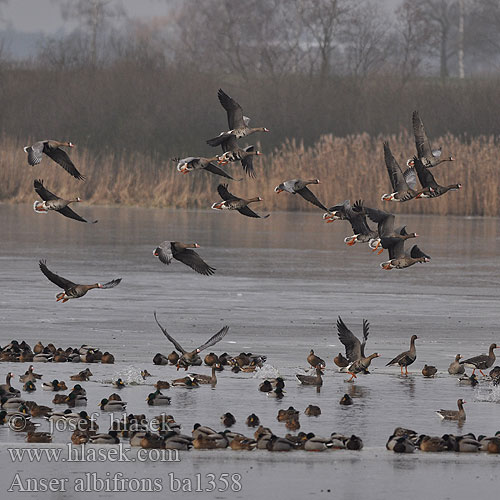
(107, 405)
(182, 252)
(253, 420)
(12, 403)
(119, 383)
(107, 358)
(190, 382)
(314, 360)
(40, 410)
(429, 371)
(405, 358)
(145, 374)
(211, 359)
(157, 399)
(75, 399)
(162, 384)
(313, 411)
(193, 358)
(278, 393)
(455, 367)
(228, 419)
(160, 359)
(292, 423)
(266, 386)
(72, 290)
(453, 414)
(53, 150)
(232, 202)
(481, 362)
(80, 436)
(346, 400)
(38, 437)
(59, 399)
(29, 386)
(54, 386)
(284, 415)
(110, 438)
(298, 186)
(466, 380)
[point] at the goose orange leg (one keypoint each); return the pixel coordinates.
(401, 366)
(481, 372)
(378, 244)
(353, 375)
(406, 370)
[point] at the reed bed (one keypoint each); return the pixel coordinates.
(349, 168)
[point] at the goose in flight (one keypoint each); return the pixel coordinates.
(427, 180)
(182, 252)
(232, 202)
(72, 290)
(186, 165)
(53, 150)
(298, 186)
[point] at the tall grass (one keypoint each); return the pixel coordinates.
(349, 167)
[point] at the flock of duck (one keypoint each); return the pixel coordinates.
(136, 427)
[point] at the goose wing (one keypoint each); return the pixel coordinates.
(410, 177)
(309, 196)
(57, 280)
(247, 162)
(176, 344)
(214, 339)
(394, 170)
(62, 159)
(211, 167)
(416, 253)
(111, 284)
(425, 175)
(225, 194)
(233, 110)
(421, 141)
(384, 220)
(194, 261)
(250, 213)
(366, 332)
(350, 341)
(357, 218)
(68, 212)
(43, 192)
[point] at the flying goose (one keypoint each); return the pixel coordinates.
(428, 156)
(232, 152)
(192, 357)
(356, 216)
(387, 234)
(361, 365)
(53, 202)
(404, 184)
(399, 259)
(453, 414)
(298, 186)
(186, 165)
(232, 202)
(182, 252)
(53, 150)
(238, 124)
(405, 358)
(481, 362)
(427, 180)
(72, 290)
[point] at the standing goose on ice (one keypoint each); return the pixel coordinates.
(72, 290)
(404, 184)
(298, 186)
(182, 252)
(53, 150)
(405, 358)
(232, 202)
(53, 202)
(238, 124)
(428, 156)
(192, 358)
(186, 165)
(481, 362)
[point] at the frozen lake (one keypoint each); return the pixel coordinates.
(280, 285)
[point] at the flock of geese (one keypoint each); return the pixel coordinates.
(384, 236)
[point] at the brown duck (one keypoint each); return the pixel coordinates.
(72, 290)
(232, 202)
(53, 150)
(315, 361)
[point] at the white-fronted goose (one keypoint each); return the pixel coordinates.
(427, 180)
(182, 252)
(481, 362)
(356, 216)
(186, 165)
(310, 379)
(53, 150)
(453, 414)
(361, 365)
(428, 156)
(232, 202)
(207, 379)
(404, 184)
(405, 358)
(399, 259)
(387, 234)
(298, 186)
(354, 349)
(192, 357)
(455, 367)
(238, 124)
(72, 290)
(53, 202)
(232, 152)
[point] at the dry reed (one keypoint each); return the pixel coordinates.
(348, 167)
